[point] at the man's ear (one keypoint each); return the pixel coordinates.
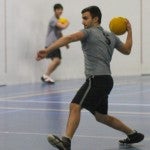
(95, 19)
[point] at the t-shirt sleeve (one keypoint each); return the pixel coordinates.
(118, 42)
(53, 22)
(86, 33)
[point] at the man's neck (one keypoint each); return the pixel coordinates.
(56, 16)
(96, 25)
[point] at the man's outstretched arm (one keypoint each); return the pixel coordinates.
(59, 43)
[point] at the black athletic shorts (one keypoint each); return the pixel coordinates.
(93, 95)
(54, 54)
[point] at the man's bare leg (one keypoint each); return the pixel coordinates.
(73, 120)
(53, 65)
(113, 122)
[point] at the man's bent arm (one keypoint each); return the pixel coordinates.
(126, 47)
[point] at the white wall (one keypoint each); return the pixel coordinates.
(26, 29)
(145, 58)
(2, 42)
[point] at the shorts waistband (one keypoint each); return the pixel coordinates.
(99, 76)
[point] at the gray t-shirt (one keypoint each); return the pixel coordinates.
(98, 47)
(53, 32)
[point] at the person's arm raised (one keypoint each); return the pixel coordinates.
(126, 47)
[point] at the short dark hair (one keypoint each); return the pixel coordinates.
(58, 6)
(94, 11)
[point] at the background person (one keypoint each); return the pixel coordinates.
(54, 32)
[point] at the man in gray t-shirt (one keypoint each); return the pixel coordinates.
(98, 46)
(54, 33)
(97, 51)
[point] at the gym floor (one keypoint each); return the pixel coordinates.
(29, 112)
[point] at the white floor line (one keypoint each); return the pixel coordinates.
(81, 136)
(129, 104)
(46, 134)
(64, 102)
(67, 110)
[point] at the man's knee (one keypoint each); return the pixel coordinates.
(101, 117)
(105, 119)
(57, 61)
